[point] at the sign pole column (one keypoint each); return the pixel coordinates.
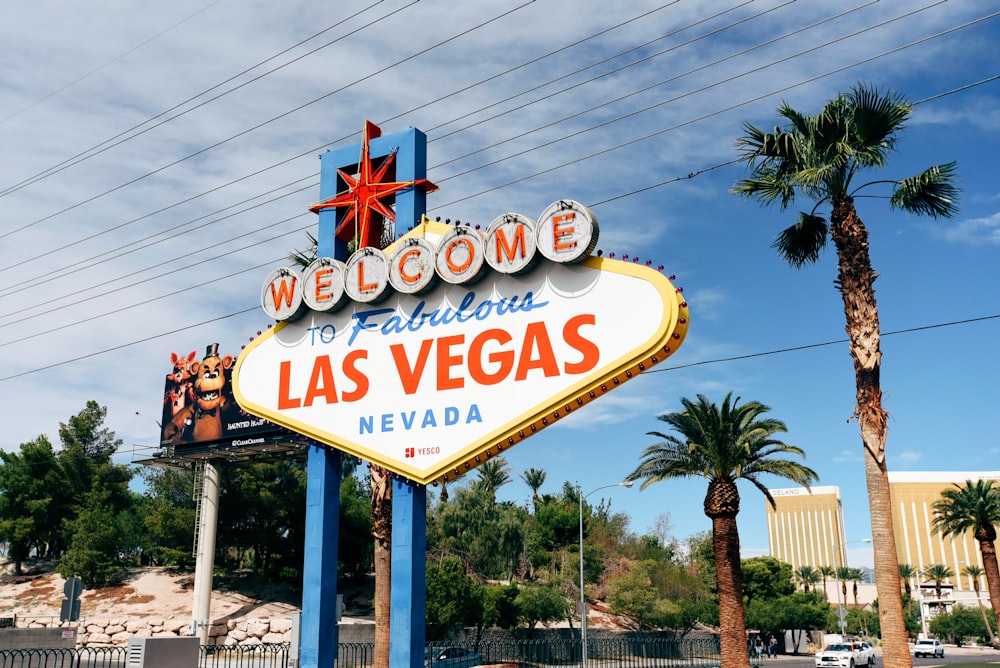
(409, 575)
(319, 638)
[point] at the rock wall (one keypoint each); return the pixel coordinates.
(98, 632)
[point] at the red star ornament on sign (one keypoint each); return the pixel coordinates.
(365, 194)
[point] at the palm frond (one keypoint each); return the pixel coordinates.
(932, 192)
(303, 258)
(801, 243)
(876, 118)
(720, 443)
(767, 186)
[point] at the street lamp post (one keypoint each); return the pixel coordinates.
(583, 603)
(841, 613)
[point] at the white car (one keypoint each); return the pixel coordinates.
(928, 647)
(847, 654)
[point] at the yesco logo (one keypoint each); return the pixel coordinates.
(566, 232)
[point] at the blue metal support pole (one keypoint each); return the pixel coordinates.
(409, 575)
(318, 641)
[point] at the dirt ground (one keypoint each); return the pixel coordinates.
(160, 592)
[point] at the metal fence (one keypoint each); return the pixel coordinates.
(651, 652)
(212, 656)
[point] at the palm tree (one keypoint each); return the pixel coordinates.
(493, 474)
(939, 573)
(534, 478)
(723, 444)
(975, 507)
(822, 157)
(856, 576)
(907, 573)
(826, 572)
(807, 576)
(974, 572)
(844, 576)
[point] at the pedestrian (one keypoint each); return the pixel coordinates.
(772, 647)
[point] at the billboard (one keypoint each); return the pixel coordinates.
(199, 408)
(452, 345)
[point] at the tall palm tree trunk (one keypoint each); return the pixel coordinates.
(988, 551)
(382, 531)
(855, 279)
(726, 548)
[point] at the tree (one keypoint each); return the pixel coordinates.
(807, 576)
(632, 594)
(974, 572)
(799, 612)
(826, 572)
(855, 576)
(356, 544)
(723, 444)
(906, 573)
(975, 507)
(169, 515)
(28, 481)
(494, 474)
(262, 514)
(766, 578)
(939, 573)
(958, 624)
(85, 461)
(454, 599)
(534, 478)
(821, 157)
(539, 604)
(844, 574)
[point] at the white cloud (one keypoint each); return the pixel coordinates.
(974, 231)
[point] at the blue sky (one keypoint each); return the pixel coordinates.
(125, 238)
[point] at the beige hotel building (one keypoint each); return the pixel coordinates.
(806, 528)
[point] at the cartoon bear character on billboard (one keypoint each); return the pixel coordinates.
(201, 420)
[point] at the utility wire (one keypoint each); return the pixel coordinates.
(722, 111)
(89, 263)
(546, 55)
(631, 114)
(809, 346)
(713, 167)
(110, 62)
(97, 149)
(269, 121)
(313, 151)
(690, 175)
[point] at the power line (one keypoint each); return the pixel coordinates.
(549, 143)
(809, 346)
(267, 122)
(110, 62)
(682, 177)
(107, 144)
(721, 111)
(129, 344)
(631, 114)
(716, 166)
(314, 150)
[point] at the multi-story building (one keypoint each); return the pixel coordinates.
(807, 528)
(913, 496)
